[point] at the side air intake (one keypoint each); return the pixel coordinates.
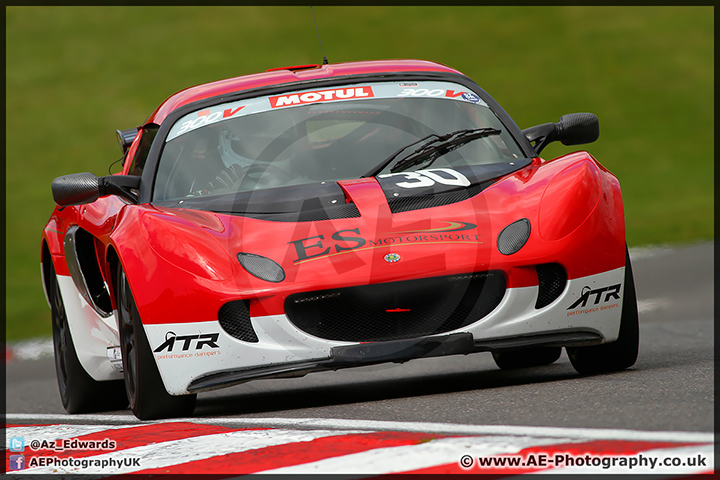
(235, 320)
(552, 279)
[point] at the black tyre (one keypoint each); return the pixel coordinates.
(527, 357)
(143, 383)
(79, 392)
(623, 352)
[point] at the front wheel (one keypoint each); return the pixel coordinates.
(144, 386)
(623, 352)
(79, 392)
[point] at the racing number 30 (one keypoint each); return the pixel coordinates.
(429, 177)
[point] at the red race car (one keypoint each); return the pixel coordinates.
(321, 217)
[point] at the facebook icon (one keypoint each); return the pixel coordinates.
(17, 462)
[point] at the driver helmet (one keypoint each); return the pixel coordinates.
(230, 147)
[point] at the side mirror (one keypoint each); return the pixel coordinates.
(571, 129)
(126, 137)
(81, 188)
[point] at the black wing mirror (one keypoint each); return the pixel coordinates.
(126, 137)
(81, 188)
(571, 129)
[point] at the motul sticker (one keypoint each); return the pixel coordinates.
(321, 96)
(241, 108)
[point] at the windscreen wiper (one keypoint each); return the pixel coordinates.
(435, 148)
(380, 166)
(431, 151)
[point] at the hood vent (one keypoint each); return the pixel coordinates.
(406, 204)
(343, 210)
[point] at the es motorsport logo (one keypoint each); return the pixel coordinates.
(343, 241)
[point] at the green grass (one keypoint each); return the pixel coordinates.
(76, 74)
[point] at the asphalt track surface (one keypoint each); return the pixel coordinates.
(671, 387)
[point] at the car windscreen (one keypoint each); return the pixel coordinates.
(314, 137)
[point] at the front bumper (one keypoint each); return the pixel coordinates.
(204, 357)
(396, 351)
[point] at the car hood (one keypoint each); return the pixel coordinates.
(369, 228)
(328, 200)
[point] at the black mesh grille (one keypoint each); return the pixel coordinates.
(513, 237)
(344, 210)
(390, 311)
(405, 204)
(261, 267)
(235, 320)
(551, 280)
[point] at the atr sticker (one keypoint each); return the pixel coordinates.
(611, 292)
(321, 96)
(206, 339)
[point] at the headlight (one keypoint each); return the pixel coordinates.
(261, 267)
(513, 237)
(568, 200)
(186, 246)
